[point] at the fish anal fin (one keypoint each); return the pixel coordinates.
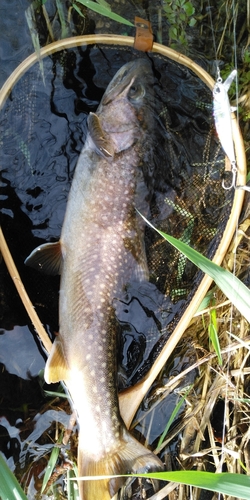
(100, 139)
(46, 258)
(56, 368)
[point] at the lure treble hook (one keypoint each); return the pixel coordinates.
(234, 174)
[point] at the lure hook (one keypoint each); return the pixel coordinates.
(234, 173)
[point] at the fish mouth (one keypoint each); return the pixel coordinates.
(122, 128)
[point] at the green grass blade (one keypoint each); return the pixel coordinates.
(30, 18)
(51, 464)
(213, 334)
(9, 487)
(230, 285)
(56, 394)
(72, 487)
(78, 10)
(104, 3)
(235, 485)
(64, 27)
(100, 9)
(171, 419)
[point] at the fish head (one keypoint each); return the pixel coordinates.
(126, 110)
(135, 79)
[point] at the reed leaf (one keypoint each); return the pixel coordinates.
(104, 11)
(9, 487)
(234, 485)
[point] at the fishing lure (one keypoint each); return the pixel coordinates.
(223, 121)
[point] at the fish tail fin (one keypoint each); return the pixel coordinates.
(129, 457)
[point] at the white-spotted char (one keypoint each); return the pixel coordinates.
(102, 249)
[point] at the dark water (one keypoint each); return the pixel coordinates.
(43, 128)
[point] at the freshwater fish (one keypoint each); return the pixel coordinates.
(100, 251)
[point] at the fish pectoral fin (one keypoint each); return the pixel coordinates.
(102, 142)
(56, 368)
(46, 258)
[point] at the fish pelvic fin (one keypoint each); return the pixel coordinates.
(129, 457)
(46, 258)
(56, 368)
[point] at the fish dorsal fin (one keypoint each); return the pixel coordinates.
(102, 142)
(46, 258)
(56, 368)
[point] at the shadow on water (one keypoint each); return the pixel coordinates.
(43, 131)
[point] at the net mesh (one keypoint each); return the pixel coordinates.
(43, 129)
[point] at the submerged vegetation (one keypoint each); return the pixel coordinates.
(208, 373)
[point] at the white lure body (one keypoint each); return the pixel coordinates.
(222, 115)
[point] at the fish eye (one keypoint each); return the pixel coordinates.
(136, 91)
